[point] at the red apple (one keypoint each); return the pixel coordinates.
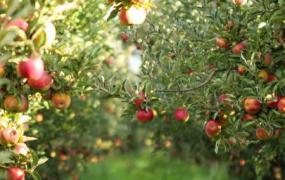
(123, 16)
(242, 162)
(181, 114)
(15, 173)
(224, 99)
(10, 135)
(271, 77)
(237, 49)
(31, 68)
(241, 70)
(281, 105)
(16, 104)
(212, 128)
(43, 83)
(222, 43)
(61, 100)
(20, 23)
(139, 100)
(21, 148)
(252, 105)
(144, 115)
(124, 37)
(240, 2)
(262, 134)
(273, 103)
(136, 15)
(132, 15)
(248, 117)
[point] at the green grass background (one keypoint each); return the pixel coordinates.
(151, 166)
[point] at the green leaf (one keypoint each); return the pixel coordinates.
(42, 160)
(6, 157)
(113, 14)
(35, 175)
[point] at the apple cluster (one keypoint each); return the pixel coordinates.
(147, 114)
(131, 13)
(31, 70)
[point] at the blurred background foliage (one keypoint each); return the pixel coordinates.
(104, 65)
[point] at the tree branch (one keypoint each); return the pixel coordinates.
(211, 76)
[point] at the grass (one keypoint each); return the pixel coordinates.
(150, 166)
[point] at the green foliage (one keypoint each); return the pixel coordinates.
(181, 67)
(151, 166)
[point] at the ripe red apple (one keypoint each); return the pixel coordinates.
(181, 114)
(31, 68)
(132, 15)
(10, 135)
(15, 173)
(212, 128)
(16, 104)
(20, 23)
(241, 70)
(2, 69)
(144, 115)
(271, 77)
(124, 37)
(139, 100)
(248, 117)
(262, 134)
(61, 100)
(21, 148)
(237, 49)
(123, 16)
(240, 2)
(273, 103)
(43, 83)
(136, 15)
(252, 105)
(222, 43)
(242, 162)
(281, 105)
(224, 99)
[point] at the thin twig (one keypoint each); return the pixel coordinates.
(211, 76)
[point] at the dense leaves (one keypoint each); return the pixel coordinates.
(202, 80)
